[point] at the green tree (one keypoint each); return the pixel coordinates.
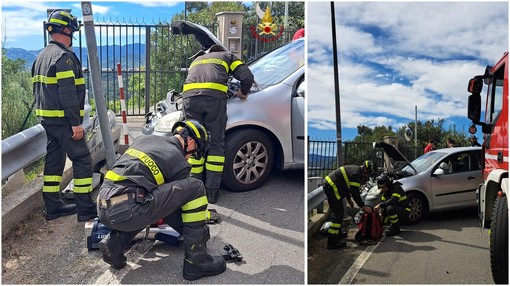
(17, 97)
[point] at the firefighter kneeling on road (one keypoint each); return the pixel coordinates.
(344, 183)
(395, 205)
(152, 180)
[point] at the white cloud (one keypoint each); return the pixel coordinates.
(393, 56)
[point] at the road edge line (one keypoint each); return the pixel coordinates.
(356, 266)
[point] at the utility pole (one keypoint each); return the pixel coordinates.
(416, 130)
(339, 157)
(95, 75)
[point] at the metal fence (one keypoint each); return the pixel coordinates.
(153, 61)
(322, 155)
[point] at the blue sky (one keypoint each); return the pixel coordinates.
(22, 20)
(395, 55)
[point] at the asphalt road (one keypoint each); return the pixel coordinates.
(445, 248)
(266, 225)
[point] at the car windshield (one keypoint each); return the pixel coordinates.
(277, 65)
(423, 162)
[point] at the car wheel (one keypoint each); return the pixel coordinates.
(418, 207)
(248, 160)
(499, 241)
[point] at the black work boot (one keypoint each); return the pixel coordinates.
(55, 206)
(393, 230)
(335, 241)
(212, 195)
(86, 208)
(113, 245)
(198, 263)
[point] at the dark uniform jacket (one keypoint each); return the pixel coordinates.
(208, 75)
(58, 85)
(395, 196)
(149, 162)
(345, 182)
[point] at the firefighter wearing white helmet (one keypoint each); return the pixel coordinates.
(342, 183)
(151, 180)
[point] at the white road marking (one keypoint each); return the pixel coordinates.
(356, 266)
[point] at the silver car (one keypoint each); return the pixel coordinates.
(442, 179)
(265, 130)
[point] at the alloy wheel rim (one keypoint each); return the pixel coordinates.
(250, 162)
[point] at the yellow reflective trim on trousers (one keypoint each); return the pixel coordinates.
(153, 167)
(208, 85)
(335, 189)
(51, 189)
(194, 161)
(194, 217)
(54, 113)
(354, 184)
(112, 176)
(333, 231)
(210, 61)
(213, 168)
(56, 179)
(402, 198)
(83, 181)
(65, 74)
(82, 189)
(235, 64)
(194, 204)
(44, 79)
(197, 170)
(336, 225)
(216, 159)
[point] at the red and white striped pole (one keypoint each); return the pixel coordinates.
(122, 105)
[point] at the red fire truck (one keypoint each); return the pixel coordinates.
(491, 195)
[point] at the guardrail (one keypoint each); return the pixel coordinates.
(316, 198)
(27, 146)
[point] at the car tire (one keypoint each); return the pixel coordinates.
(419, 207)
(499, 241)
(248, 160)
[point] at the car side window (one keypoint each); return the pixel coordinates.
(460, 162)
(476, 160)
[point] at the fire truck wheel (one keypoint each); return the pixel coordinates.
(499, 241)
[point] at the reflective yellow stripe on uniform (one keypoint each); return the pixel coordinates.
(216, 159)
(51, 178)
(210, 61)
(213, 168)
(235, 64)
(44, 79)
(51, 189)
(153, 167)
(112, 176)
(393, 218)
(79, 81)
(193, 217)
(65, 74)
(197, 166)
(83, 181)
(82, 189)
(54, 113)
(208, 85)
(194, 204)
(349, 183)
(332, 184)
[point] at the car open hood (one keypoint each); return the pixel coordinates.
(394, 154)
(205, 37)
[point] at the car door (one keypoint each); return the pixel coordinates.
(298, 123)
(457, 186)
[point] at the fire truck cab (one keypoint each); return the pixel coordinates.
(491, 195)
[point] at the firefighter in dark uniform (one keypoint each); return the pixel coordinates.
(59, 90)
(152, 180)
(342, 183)
(205, 100)
(395, 205)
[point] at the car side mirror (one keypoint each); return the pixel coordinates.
(438, 172)
(301, 89)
